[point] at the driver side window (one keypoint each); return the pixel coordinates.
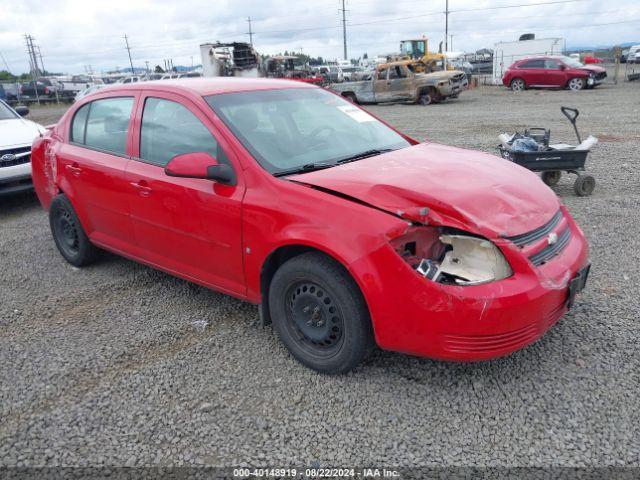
(169, 129)
(382, 74)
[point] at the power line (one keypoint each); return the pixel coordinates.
(5, 62)
(517, 5)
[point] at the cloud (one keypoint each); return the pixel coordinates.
(75, 33)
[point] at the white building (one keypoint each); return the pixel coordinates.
(506, 53)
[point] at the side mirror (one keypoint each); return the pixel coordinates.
(22, 110)
(200, 165)
(563, 67)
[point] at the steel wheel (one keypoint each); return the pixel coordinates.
(66, 232)
(426, 98)
(518, 85)
(576, 84)
(319, 313)
(70, 238)
(314, 319)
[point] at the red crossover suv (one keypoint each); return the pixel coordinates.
(552, 72)
(346, 232)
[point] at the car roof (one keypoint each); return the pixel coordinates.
(211, 86)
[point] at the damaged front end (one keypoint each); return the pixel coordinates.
(449, 256)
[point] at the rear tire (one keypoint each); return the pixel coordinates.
(584, 185)
(351, 97)
(518, 85)
(551, 178)
(319, 314)
(71, 240)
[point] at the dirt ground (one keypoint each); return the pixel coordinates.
(104, 366)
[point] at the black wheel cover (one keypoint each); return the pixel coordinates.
(66, 232)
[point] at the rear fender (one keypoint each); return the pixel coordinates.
(44, 170)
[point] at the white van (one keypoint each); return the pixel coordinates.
(634, 54)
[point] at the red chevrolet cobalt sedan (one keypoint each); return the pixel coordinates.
(346, 232)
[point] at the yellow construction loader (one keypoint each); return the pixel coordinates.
(424, 61)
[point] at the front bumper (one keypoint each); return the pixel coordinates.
(413, 315)
(15, 179)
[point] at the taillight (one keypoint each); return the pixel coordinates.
(46, 90)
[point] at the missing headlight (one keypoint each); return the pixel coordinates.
(451, 258)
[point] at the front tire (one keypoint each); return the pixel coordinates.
(428, 98)
(319, 314)
(71, 240)
(576, 84)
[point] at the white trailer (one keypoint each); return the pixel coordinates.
(506, 53)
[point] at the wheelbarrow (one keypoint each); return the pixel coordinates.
(552, 160)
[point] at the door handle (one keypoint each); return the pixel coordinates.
(142, 188)
(74, 169)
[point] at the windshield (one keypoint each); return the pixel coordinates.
(572, 62)
(294, 128)
(5, 112)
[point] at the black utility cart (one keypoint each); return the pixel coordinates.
(550, 161)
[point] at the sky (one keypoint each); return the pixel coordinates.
(73, 34)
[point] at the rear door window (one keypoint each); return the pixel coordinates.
(533, 64)
(103, 124)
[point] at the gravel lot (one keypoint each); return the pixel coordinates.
(104, 365)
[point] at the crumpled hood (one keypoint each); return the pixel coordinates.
(17, 132)
(593, 68)
(465, 187)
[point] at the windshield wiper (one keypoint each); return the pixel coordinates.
(309, 167)
(365, 154)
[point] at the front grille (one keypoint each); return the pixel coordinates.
(15, 156)
(538, 233)
(601, 76)
(544, 255)
(532, 241)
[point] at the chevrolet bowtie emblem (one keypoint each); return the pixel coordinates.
(552, 238)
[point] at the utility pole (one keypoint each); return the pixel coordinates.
(146, 62)
(250, 31)
(33, 60)
(344, 30)
(126, 41)
(451, 43)
(446, 32)
(41, 62)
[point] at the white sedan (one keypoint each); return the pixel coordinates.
(16, 136)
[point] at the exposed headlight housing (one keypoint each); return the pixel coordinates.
(452, 258)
